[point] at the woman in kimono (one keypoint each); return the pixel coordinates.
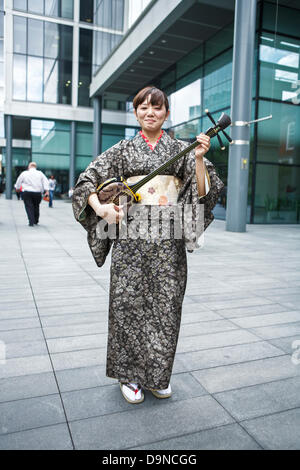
(147, 277)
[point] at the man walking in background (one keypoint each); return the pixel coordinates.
(34, 183)
(52, 186)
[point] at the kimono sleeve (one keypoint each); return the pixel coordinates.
(105, 166)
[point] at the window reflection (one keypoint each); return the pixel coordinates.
(19, 77)
(277, 196)
(19, 34)
(34, 79)
(185, 104)
(49, 61)
(279, 66)
(36, 6)
(50, 81)
(35, 37)
(54, 8)
(51, 39)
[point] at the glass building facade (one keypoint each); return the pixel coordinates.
(203, 80)
(43, 71)
(48, 69)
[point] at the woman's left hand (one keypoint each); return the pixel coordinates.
(204, 146)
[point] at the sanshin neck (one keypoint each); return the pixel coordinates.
(211, 132)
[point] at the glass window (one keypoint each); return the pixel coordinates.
(219, 42)
(34, 79)
(51, 81)
(186, 131)
(51, 8)
(1, 74)
(110, 14)
(52, 40)
(50, 144)
(185, 104)
(277, 194)
(87, 10)
(217, 82)
(279, 67)
(189, 62)
(66, 42)
(287, 22)
(19, 34)
(103, 45)
(279, 137)
(20, 5)
(19, 77)
(65, 82)
(84, 84)
(66, 8)
(35, 37)
(36, 6)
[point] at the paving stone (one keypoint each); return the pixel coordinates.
(248, 373)
(74, 343)
(215, 340)
(75, 359)
(30, 413)
(205, 327)
(279, 431)
(139, 426)
(82, 378)
(74, 330)
(263, 399)
(275, 331)
(251, 311)
(26, 348)
(27, 334)
(55, 437)
(27, 386)
(264, 320)
(230, 437)
(205, 359)
(25, 365)
(19, 323)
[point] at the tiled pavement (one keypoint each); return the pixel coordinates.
(235, 383)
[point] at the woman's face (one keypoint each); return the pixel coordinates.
(151, 117)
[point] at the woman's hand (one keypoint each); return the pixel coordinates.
(109, 212)
(204, 146)
(112, 213)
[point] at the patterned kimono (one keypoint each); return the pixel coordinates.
(147, 277)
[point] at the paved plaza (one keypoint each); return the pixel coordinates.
(236, 376)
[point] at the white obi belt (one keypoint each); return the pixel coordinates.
(162, 190)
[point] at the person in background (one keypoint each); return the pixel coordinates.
(70, 192)
(34, 183)
(52, 186)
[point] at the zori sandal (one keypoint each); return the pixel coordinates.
(132, 392)
(166, 393)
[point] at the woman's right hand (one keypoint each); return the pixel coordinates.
(112, 213)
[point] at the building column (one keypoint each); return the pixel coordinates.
(241, 101)
(8, 157)
(97, 125)
(72, 154)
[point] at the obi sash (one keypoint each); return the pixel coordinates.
(162, 190)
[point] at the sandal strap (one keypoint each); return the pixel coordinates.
(134, 389)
